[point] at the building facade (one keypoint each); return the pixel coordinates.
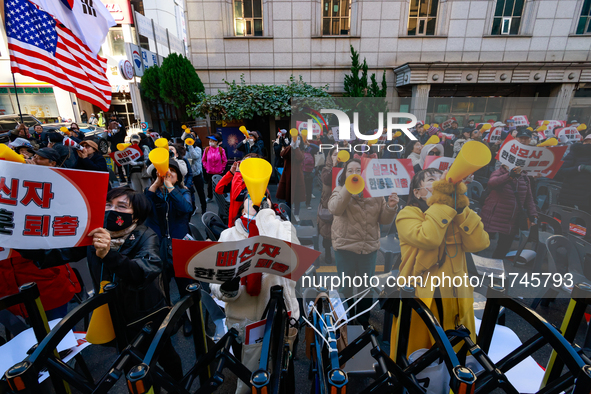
(429, 49)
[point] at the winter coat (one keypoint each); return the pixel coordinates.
(136, 267)
(324, 228)
(68, 158)
(96, 162)
(355, 226)
(214, 160)
(115, 138)
(236, 188)
(500, 211)
(421, 138)
(257, 147)
(458, 145)
(57, 285)
(291, 186)
(188, 178)
(425, 237)
(194, 153)
(308, 163)
(244, 308)
(170, 216)
(415, 158)
(576, 188)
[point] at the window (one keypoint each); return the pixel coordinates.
(584, 25)
(336, 17)
(507, 17)
(248, 17)
(422, 17)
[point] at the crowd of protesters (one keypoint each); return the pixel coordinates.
(434, 222)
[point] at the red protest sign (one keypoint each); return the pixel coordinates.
(567, 134)
(533, 160)
(126, 156)
(520, 120)
(49, 208)
(440, 163)
(217, 262)
(382, 176)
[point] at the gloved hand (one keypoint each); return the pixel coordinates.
(231, 285)
(515, 172)
(449, 194)
(585, 167)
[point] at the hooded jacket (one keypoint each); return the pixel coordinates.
(244, 308)
(425, 152)
(576, 189)
(500, 211)
(355, 226)
(425, 238)
(237, 185)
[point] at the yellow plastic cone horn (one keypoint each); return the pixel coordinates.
(436, 125)
(486, 126)
(582, 127)
(187, 130)
(122, 146)
(542, 128)
(432, 140)
(159, 157)
(65, 130)
(189, 141)
(9, 155)
(184, 127)
(397, 134)
(473, 156)
(243, 131)
(100, 329)
(546, 122)
(354, 184)
(293, 132)
(256, 174)
(343, 156)
(426, 126)
(304, 133)
(549, 142)
(161, 143)
(372, 142)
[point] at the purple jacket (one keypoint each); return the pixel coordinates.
(499, 213)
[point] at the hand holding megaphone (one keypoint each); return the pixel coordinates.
(354, 184)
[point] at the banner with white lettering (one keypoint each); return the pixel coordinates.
(567, 134)
(520, 120)
(494, 135)
(49, 208)
(129, 154)
(217, 262)
(382, 176)
(447, 123)
(552, 124)
(440, 163)
(533, 160)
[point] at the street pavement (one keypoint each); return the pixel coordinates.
(99, 358)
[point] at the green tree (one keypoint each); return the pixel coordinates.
(357, 86)
(179, 83)
(150, 86)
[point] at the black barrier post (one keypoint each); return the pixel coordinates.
(404, 326)
(463, 380)
(139, 381)
(199, 335)
(117, 315)
(489, 316)
(583, 382)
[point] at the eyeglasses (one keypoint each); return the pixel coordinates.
(434, 153)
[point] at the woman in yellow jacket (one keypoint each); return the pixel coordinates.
(436, 229)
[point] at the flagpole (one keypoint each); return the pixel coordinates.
(17, 101)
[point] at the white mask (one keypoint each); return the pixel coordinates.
(248, 216)
(428, 196)
(211, 143)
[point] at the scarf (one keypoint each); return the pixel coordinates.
(118, 238)
(252, 282)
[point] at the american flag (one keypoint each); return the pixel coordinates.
(42, 48)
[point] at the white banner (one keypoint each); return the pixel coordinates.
(144, 26)
(520, 120)
(126, 156)
(386, 176)
(48, 208)
(568, 134)
(532, 159)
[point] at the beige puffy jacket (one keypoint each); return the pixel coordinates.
(356, 221)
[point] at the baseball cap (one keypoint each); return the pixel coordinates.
(135, 137)
(90, 143)
(587, 137)
(498, 124)
(48, 153)
(523, 133)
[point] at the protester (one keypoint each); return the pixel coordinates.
(325, 218)
(116, 136)
(83, 116)
(93, 120)
(194, 155)
(429, 150)
(125, 252)
(252, 144)
(67, 159)
(464, 137)
(214, 161)
(47, 157)
(413, 152)
(308, 170)
(421, 135)
(75, 133)
(178, 152)
(436, 229)
(23, 147)
(90, 158)
(293, 191)
(576, 174)
(355, 231)
(246, 298)
(136, 166)
(281, 142)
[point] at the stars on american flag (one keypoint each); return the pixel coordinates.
(26, 23)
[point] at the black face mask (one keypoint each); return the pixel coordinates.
(117, 221)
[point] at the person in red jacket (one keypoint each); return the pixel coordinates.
(234, 178)
(57, 285)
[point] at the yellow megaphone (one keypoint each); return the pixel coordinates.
(293, 132)
(243, 131)
(354, 184)
(426, 126)
(256, 174)
(530, 129)
(546, 122)
(189, 141)
(486, 126)
(473, 156)
(122, 146)
(582, 127)
(372, 142)
(432, 140)
(184, 127)
(304, 133)
(65, 130)
(436, 125)
(159, 157)
(9, 155)
(161, 143)
(542, 128)
(343, 156)
(100, 329)
(397, 134)
(549, 142)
